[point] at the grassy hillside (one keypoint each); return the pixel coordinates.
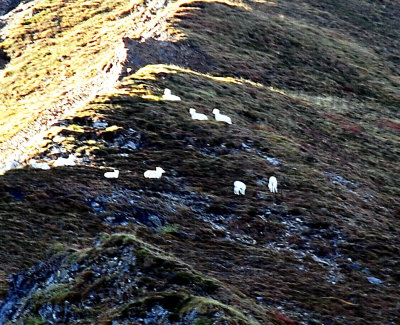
(50, 49)
(313, 93)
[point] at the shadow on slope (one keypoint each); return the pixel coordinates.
(8, 5)
(4, 59)
(152, 51)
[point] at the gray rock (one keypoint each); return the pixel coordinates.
(130, 145)
(273, 161)
(374, 280)
(100, 125)
(155, 221)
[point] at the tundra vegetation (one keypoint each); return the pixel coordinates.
(313, 90)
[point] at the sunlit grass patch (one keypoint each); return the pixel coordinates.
(50, 51)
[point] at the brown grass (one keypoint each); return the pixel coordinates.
(318, 98)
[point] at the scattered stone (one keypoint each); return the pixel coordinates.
(367, 271)
(155, 221)
(100, 125)
(273, 161)
(130, 145)
(374, 280)
(246, 147)
(58, 139)
(340, 180)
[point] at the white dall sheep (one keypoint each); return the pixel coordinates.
(220, 117)
(197, 116)
(113, 174)
(154, 173)
(168, 95)
(273, 184)
(60, 162)
(41, 165)
(239, 187)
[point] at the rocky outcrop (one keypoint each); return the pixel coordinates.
(23, 284)
(143, 285)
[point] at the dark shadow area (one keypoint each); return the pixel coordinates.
(8, 5)
(4, 59)
(184, 54)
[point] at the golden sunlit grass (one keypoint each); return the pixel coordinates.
(59, 45)
(150, 73)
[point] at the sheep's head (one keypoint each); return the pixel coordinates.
(160, 170)
(192, 110)
(215, 111)
(167, 92)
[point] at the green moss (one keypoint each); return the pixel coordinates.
(57, 248)
(210, 286)
(35, 320)
(203, 321)
(208, 306)
(54, 293)
(73, 257)
(168, 229)
(142, 253)
(183, 278)
(36, 18)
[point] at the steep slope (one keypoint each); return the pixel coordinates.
(143, 284)
(313, 92)
(70, 50)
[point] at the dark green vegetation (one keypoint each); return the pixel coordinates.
(313, 92)
(141, 283)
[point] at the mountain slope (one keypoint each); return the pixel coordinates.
(313, 93)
